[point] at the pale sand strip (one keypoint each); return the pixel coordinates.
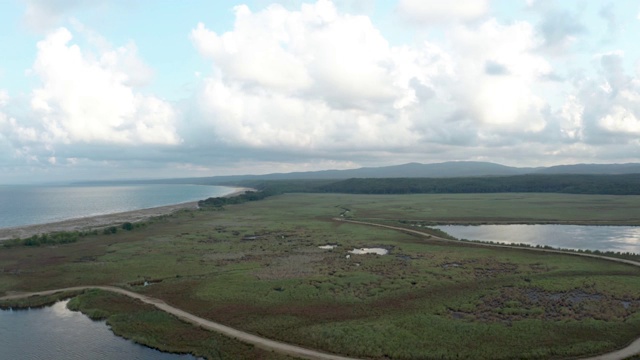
(101, 221)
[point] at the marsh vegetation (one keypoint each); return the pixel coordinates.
(257, 266)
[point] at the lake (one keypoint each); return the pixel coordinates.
(603, 238)
(29, 205)
(56, 333)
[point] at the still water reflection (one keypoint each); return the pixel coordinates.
(603, 238)
(58, 333)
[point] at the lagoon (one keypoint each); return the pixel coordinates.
(55, 332)
(576, 237)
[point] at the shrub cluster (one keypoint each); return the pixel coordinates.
(64, 237)
(219, 202)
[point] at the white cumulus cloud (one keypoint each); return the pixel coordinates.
(438, 11)
(611, 103)
(311, 79)
(44, 15)
(87, 97)
(292, 86)
(304, 52)
(498, 69)
(4, 97)
(320, 81)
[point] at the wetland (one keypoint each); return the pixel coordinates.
(575, 237)
(257, 267)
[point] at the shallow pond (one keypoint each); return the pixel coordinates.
(362, 251)
(603, 238)
(55, 333)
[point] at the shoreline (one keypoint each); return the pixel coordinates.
(101, 221)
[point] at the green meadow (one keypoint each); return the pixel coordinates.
(258, 267)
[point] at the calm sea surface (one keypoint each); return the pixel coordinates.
(603, 238)
(55, 333)
(28, 205)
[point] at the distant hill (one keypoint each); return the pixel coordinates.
(592, 169)
(451, 169)
(410, 170)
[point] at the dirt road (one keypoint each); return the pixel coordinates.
(297, 351)
(263, 343)
(630, 350)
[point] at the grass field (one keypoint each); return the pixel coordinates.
(498, 208)
(257, 267)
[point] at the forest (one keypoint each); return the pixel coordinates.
(628, 184)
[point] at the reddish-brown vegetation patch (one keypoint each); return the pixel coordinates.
(511, 304)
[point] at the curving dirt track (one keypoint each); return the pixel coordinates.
(433, 237)
(258, 341)
(628, 351)
(297, 351)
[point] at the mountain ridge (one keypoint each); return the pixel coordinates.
(445, 170)
(449, 169)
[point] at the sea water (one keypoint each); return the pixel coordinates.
(55, 332)
(30, 205)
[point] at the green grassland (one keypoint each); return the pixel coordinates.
(257, 267)
(145, 324)
(499, 208)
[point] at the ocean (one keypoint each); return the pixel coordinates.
(29, 205)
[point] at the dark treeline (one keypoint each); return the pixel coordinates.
(64, 237)
(571, 184)
(264, 188)
(628, 184)
(58, 238)
(219, 202)
(568, 184)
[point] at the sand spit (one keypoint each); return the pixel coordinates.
(101, 221)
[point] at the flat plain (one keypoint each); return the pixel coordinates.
(258, 267)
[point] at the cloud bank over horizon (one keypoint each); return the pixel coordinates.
(299, 86)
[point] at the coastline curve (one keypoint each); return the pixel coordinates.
(101, 221)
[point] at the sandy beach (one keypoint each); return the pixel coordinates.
(101, 221)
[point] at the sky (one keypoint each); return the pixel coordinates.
(122, 89)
